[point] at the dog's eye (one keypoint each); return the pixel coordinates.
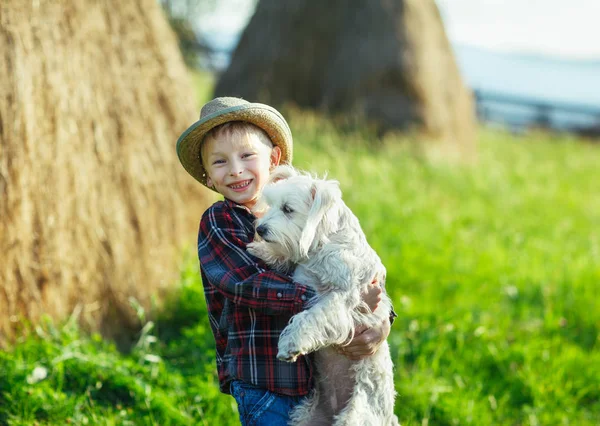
(286, 209)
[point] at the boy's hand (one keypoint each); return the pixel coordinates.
(366, 341)
(372, 295)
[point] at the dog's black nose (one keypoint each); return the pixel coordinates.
(262, 230)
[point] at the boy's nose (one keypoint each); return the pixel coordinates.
(236, 169)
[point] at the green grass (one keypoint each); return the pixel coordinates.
(167, 379)
(493, 267)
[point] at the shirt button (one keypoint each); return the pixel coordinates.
(279, 295)
(303, 297)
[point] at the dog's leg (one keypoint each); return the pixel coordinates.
(265, 252)
(372, 400)
(326, 323)
(357, 412)
(307, 412)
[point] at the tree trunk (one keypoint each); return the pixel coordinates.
(388, 61)
(93, 202)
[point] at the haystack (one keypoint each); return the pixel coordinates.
(94, 206)
(388, 61)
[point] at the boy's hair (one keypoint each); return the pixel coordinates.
(237, 130)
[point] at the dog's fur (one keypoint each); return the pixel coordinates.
(308, 229)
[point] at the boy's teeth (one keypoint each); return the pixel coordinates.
(241, 185)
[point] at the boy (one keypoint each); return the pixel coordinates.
(231, 150)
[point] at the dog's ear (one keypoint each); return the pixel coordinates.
(323, 213)
(281, 172)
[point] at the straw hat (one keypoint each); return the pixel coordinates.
(222, 110)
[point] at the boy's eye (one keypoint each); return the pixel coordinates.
(218, 161)
(287, 209)
(248, 154)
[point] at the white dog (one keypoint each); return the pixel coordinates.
(308, 229)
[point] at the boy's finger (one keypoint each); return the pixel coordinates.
(361, 338)
(359, 353)
(360, 329)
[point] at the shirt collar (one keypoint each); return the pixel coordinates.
(234, 205)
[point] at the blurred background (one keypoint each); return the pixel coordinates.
(532, 64)
(464, 135)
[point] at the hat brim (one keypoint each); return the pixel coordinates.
(263, 116)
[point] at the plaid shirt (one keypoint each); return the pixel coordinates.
(248, 305)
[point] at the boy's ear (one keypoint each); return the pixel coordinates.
(209, 182)
(275, 156)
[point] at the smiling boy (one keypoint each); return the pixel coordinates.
(238, 158)
(232, 149)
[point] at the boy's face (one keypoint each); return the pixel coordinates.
(238, 167)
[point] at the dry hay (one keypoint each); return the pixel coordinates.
(94, 205)
(388, 62)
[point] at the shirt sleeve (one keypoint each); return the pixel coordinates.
(237, 275)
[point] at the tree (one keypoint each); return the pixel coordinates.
(388, 61)
(93, 202)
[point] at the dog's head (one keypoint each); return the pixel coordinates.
(300, 212)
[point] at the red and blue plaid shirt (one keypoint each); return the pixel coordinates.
(248, 305)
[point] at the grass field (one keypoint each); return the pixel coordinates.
(493, 267)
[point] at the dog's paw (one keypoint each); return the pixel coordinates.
(288, 351)
(256, 248)
(288, 356)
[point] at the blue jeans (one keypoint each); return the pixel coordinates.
(260, 407)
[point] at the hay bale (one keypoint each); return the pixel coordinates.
(94, 205)
(387, 61)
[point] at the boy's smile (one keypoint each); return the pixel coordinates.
(240, 186)
(238, 167)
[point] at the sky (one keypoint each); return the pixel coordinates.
(552, 27)
(561, 28)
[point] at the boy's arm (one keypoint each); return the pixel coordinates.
(237, 275)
